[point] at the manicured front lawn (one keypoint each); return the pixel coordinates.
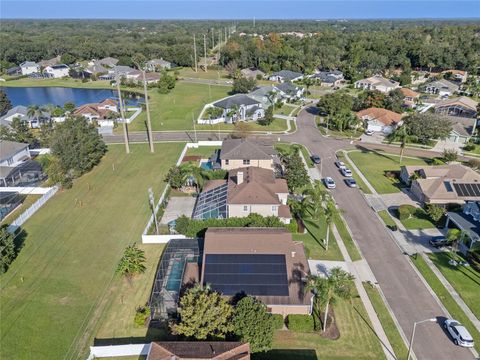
(465, 280)
(374, 167)
(388, 324)
(446, 298)
(61, 282)
(276, 125)
(284, 110)
(347, 239)
(419, 220)
(357, 339)
(360, 183)
(203, 151)
(387, 219)
(188, 72)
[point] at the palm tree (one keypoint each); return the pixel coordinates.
(132, 262)
(400, 134)
(330, 211)
(192, 172)
(337, 285)
(271, 97)
(455, 236)
(314, 198)
(35, 112)
(307, 82)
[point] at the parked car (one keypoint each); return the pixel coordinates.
(340, 164)
(459, 333)
(346, 172)
(329, 183)
(351, 182)
(438, 241)
(369, 132)
(316, 159)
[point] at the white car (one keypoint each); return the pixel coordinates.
(369, 132)
(459, 333)
(340, 164)
(346, 172)
(329, 183)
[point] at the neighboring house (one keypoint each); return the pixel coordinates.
(457, 75)
(198, 350)
(248, 190)
(378, 83)
(463, 129)
(16, 166)
(252, 73)
(238, 153)
(328, 78)
(16, 70)
(56, 71)
(50, 62)
(96, 69)
(468, 221)
(156, 64)
(285, 75)
(440, 87)
(108, 61)
(442, 184)
(29, 67)
(461, 106)
(121, 71)
(21, 112)
(261, 262)
(267, 95)
(380, 120)
(150, 77)
(410, 97)
(290, 90)
(103, 113)
(239, 107)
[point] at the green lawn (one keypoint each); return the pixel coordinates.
(347, 239)
(446, 298)
(284, 110)
(203, 151)
(360, 183)
(465, 280)
(374, 165)
(303, 149)
(27, 202)
(276, 125)
(388, 324)
(62, 280)
(387, 219)
(188, 72)
(419, 220)
(357, 339)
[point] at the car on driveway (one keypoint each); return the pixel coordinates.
(316, 159)
(351, 182)
(369, 132)
(346, 172)
(438, 241)
(340, 164)
(459, 333)
(329, 183)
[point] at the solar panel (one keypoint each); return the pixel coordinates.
(259, 274)
(467, 189)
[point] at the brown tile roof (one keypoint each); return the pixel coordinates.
(212, 184)
(91, 109)
(384, 116)
(462, 125)
(409, 92)
(152, 76)
(109, 102)
(455, 72)
(259, 186)
(240, 149)
(284, 212)
(194, 350)
(265, 241)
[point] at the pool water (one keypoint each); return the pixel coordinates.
(175, 276)
(206, 165)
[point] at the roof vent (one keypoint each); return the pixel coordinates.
(293, 254)
(239, 177)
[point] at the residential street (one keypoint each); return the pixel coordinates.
(408, 297)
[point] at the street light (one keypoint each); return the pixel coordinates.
(413, 334)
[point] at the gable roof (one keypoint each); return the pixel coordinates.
(443, 84)
(10, 148)
(238, 99)
(50, 62)
(462, 101)
(159, 62)
(240, 149)
(287, 74)
(379, 80)
(110, 61)
(409, 92)
(263, 90)
(287, 87)
(28, 63)
(96, 68)
(384, 116)
(215, 350)
(463, 126)
(19, 109)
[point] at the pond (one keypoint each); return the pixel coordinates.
(60, 95)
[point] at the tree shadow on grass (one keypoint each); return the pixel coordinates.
(287, 354)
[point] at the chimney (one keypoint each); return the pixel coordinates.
(293, 254)
(239, 177)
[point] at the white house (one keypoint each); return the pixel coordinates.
(378, 83)
(239, 107)
(56, 71)
(380, 120)
(285, 75)
(29, 67)
(441, 87)
(155, 64)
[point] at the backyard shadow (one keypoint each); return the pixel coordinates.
(312, 110)
(286, 354)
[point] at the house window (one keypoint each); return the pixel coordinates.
(245, 207)
(227, 162)
(246, 162)
(274, 208)
(10, 161)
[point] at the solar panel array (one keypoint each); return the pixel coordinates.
(262, 275)
(212, 204)
(467, 189)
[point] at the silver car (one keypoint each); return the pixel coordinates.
(329, 183)
(459, 333)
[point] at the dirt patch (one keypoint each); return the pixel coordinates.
(331, 331)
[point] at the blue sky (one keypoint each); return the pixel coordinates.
(246, 9)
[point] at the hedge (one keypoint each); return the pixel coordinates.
(278, 321)
(300, 323)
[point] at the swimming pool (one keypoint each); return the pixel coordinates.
(175, 276)
(206, 165)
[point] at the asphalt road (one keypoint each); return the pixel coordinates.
(406, 294)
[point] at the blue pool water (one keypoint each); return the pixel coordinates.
(206, 165)
(175, 276)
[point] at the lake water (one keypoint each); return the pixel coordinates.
(60, 95)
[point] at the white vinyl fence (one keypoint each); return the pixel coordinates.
(118, 350)
(32, 209)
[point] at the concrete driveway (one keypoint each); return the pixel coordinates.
(178, 206)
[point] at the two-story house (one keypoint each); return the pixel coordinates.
(29, 67)
(378, 83)
(16, 165)
(238, 153)
(56, 71)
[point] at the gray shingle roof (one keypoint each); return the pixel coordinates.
(443, 84)
(231, 101)
(238, 149)
(287, 87)
(10, 148)
(287, 74)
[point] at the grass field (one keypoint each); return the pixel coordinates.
(388, 324)
(284, 110)
(387, 219)
(62, 280)
(188, 72)
(465, 280)
(276, 125)
(203, 151)
(419, 220)
(373, 165)
(447, 299)
(347, 239)
(357, 339)
(360, 183)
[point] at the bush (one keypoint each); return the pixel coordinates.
(450, 155)
(469, 147)
(292, 227)
(392, 227)
(435, 212)
(300, 323)
(474, 163)
(278, 321)
(406, 211)
(142, 313)
(437, 161)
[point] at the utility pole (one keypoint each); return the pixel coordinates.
(195, 52)
(219, 38)
(213, 39)
(122, 114)
(152, 205)
(205, 50)
(254, 21)
(194, 128)
(149, 124)
(226, 36)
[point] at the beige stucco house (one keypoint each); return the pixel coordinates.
(237, 153)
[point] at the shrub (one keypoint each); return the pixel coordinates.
(292, 227)
(406, 211)
(469, 147)
(278, 321)
(300, 323)
(142, 313)
(435, 212)
(392, 227)
(450, 155)
(437, 161)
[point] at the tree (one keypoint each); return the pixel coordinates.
(394, 101)
(268, 118)
(243, 85)
(253, 324)
(67, 58)
(7, 249)
(213, 112)
(232, 69)
(399, 134)
(450, 155)
(307, 82)
(368, 99)
(203, 314)
(174, 177)
(166, 83)
(435, 212)
(35, 112)
(132, 262)
(330, 211)
(337, 285)
(335, 104)
(295, 172)
(314, 198)
(69, 106)
(18, 131)
(427, 126)
(454, 236)
(78, 146)
(5, 103)
(189, 172)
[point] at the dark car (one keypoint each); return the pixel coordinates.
(438, 241)
(315, 159)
